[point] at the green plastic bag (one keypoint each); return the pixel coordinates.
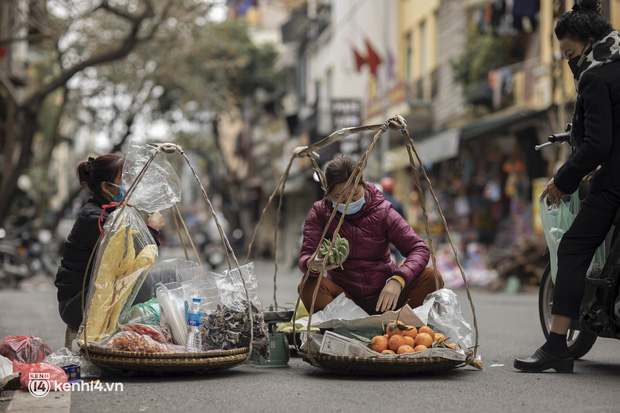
(143, 313)
(556, 220)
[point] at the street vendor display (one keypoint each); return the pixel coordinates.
(115, 335)
(347, 332)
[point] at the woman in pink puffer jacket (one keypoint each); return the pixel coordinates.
(368, 277)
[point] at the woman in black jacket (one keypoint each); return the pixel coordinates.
(592, 49)
(103, 177)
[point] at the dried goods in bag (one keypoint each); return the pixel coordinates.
(124, 257)
(143, 343)
(233, 297)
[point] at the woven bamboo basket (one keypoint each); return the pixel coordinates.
(205, 362)
(380, 366)
(357, 365)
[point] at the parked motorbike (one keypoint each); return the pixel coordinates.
(600, 308)
(25, 252)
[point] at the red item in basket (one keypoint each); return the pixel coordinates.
(150, 331)
(56, 374)
(24, 349)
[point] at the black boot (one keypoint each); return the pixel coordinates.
(554, 354)
(541, 361)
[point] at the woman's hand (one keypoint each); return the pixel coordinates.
(552, 192)
(389, 296)
(316, 265)
(156, 221)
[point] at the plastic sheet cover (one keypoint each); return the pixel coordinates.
(160, 186)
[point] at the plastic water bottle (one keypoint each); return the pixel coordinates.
(194, 316)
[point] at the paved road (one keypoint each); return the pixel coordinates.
(508, 327)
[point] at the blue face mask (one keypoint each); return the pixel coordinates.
(121, 193)
(353, 206)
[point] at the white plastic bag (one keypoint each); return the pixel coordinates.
(445, 315)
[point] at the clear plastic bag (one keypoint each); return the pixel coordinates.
(64, 357)
(556, 220)
(232, 296)
(172, 316)
(166, 272)
(124, 257)
(444, 314)
(174, 301)
(143, 343)
(160, 186)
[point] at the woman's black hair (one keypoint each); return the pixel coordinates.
(94, 172)
(585, 21)
(338, 171)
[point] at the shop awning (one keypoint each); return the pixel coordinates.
(438, 147)
(501, 123)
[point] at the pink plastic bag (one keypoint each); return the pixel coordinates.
(24, 349)
(57, 374)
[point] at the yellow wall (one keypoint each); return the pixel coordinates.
(411, 15)
(615, 13)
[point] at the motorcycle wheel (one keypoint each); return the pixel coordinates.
(579, 342)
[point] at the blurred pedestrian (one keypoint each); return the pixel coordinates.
(368, 276)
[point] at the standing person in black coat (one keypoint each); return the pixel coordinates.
(103, 177)
(592, 49)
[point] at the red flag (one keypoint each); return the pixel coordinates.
(373, 58)
(359, 59)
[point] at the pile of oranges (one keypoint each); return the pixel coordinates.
(400, 338)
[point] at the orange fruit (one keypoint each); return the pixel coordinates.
(379, 343)
(411, 333)
(388, 351)
(420, 348)
(427, 330)
(405, 349)
(392, 328)
(409, 341)
(439, 336)
(423, 339)
(396, 341)
(452, 345)
(387, 336)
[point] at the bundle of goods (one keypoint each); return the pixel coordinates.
(432, 337)
(347, 349)
(222, 308)
(133, 325)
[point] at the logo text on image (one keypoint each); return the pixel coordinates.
(89, 387)
(39, 384)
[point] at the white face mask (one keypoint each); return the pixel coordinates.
(353, 206)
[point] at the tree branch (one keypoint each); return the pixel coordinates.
(121, 51)
(8, 85)
(120, 13)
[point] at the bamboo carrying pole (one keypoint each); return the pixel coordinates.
(396, 122)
